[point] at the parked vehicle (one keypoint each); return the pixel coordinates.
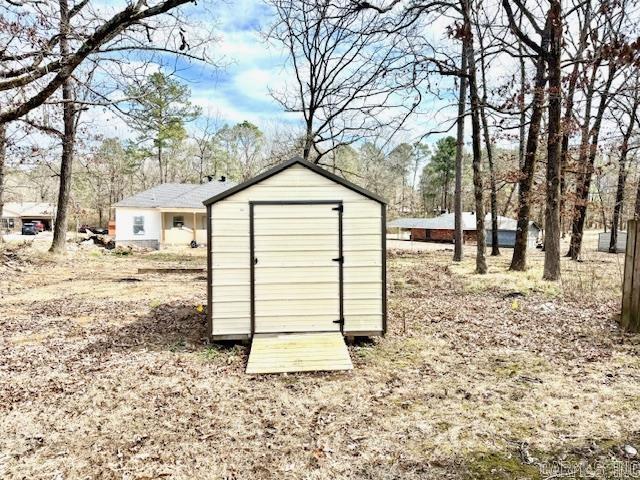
(39, 225)
(29, 229)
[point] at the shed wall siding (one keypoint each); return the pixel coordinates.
(229, 245)
(605, 238)
(507, 238)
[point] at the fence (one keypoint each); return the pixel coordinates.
(630, 318)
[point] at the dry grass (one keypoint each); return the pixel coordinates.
(103, 376)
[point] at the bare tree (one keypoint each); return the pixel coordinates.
(539, 52)
(70, 122)
(353, 77)
(626, 124)
(585, 15)
(611, 52)
(207, 164)
(462, 107)
(468, 41)
(554, 143)
(495, 250)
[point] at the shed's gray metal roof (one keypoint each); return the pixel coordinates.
(447, 222)
(176, 195)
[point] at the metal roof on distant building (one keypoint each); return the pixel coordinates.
(176, 195)
(447, 222)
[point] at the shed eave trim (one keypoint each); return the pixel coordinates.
(283, 166)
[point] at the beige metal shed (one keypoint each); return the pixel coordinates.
(295, 251)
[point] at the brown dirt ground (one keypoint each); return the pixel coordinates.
(105, 373)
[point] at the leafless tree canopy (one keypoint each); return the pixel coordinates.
(353, 80)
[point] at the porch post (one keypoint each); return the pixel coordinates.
(161, 228)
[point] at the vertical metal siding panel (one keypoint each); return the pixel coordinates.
(383, 229)
(229, 271)
(209, 275)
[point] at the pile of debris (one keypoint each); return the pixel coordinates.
(93, 240)
(11, 258)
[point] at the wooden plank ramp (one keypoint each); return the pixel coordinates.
(298, 352)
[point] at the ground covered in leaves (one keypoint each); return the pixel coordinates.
(105, 373)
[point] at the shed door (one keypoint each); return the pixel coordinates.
(297, 267)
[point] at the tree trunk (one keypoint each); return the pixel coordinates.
(3, 154)
(622, 176)
(568, 114)
(160, 161)
(522, 135)
(308, 140)
(68, 142)
(552, 211)
(519, 259)
(582, 200)
(583, 151)
(507, 204)
(636, 210)
(66, 166)
(617, 207)
(495, 250)
(457, 201)
(481, 264)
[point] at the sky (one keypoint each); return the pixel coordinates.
(236, 90)
(239, 89)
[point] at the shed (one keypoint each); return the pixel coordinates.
(604, 239)
(507, 228)
(296, 254)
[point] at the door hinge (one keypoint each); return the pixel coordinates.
(339, 208)
(338, 259)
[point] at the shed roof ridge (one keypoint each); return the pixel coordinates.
(285, 165)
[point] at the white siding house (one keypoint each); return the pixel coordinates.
(168, 214)
(139, 226)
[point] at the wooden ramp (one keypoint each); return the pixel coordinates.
(298, 352)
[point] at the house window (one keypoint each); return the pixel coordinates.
(138, 225)
(178, 221)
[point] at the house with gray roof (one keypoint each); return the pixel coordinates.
(167, 214)
(441, 229)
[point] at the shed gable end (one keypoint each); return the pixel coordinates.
(295, 162)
